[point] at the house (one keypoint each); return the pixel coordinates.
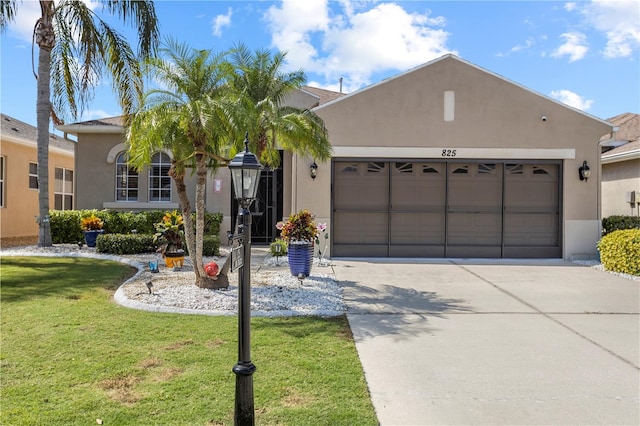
(19, 180)
(621, 167)
(444, 160)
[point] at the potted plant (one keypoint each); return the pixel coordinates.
(299, 232)
(170, 239)
(92, 227)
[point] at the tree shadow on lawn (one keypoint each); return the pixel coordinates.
(30, 277)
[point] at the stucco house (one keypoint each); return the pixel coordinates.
(621, 167)
(444, 160)
(19, 180)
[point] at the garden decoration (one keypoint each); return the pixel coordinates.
(170, 237)
(92, 227)
(322, 251)
(299, 232)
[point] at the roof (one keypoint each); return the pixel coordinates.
(115, 124)
(323, 95)
(452, 57)
(624, 143)
(18, 131)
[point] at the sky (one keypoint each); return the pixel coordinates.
(585, 54)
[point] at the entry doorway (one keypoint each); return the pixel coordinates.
(267, 208)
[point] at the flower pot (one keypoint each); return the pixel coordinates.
(300, 257)
(174, 259)
(91, 236)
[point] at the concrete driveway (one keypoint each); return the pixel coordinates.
(495, 342)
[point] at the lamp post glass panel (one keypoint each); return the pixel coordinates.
(245, 173)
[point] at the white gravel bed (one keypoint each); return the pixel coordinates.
(274, 292)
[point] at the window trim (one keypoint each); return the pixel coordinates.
(3, 186)
(130, 172)
(33, 175)
(151, 188)
(65, 171)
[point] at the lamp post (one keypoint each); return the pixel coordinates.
(245, 173)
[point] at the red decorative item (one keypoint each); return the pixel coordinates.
(211, 269)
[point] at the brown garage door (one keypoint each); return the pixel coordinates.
(446, 209)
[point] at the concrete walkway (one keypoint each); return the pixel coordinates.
(495, 342)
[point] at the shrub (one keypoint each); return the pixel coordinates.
(125, 243)
(65, 226)
(620, 251)
(615, 223)
(278, 243)
(211, 245)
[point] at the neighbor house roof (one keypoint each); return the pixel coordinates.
(624, 143)
(16, 131)
(323, 95)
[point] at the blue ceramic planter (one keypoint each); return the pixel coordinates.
(300, 255)
(91, 236)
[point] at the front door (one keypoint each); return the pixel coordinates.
(267, 208)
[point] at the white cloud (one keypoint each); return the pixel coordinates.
(220, 22)
(571, 99)
(27, 15)
(575, 46)
(354, 39)
(619, 21)
(570, 6)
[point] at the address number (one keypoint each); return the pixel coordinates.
(448, 152)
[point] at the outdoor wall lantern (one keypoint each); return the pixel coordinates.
(584, 171)
(245, 173)
(313, 170)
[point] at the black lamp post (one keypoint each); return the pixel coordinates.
(245, 173)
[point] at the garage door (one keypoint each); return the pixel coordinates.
(446, 209)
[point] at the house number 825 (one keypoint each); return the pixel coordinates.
(448, 152)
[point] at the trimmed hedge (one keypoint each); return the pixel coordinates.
(125, 243)
(118, 226)
(620, 251)
(615, 223)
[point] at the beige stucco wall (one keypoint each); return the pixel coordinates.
(618, 179)
(17, 218)
(95, 162)
(403, 117)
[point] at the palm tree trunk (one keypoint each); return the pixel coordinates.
(45, 39)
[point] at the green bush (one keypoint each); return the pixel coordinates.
(65, 226)
(615, 223)
(125, 243)
(211, 245)
(273, 247)
(620, 251)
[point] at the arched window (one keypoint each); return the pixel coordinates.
(126, 180)
(159, 180)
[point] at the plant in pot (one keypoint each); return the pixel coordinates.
(299, 232)
(170, 239)
(92, 227)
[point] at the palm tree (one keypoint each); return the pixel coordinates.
(188, 117)
(263, 86)
(75, 45)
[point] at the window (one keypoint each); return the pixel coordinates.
(159, 180)
(2, 161)
(126, 180)
(33, 175)
(63, 192)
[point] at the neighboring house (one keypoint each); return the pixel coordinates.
(19, 180)
(621, 167)
(444, 160)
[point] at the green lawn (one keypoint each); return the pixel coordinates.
(69, 355)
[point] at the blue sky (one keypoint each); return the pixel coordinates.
(583, 53)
